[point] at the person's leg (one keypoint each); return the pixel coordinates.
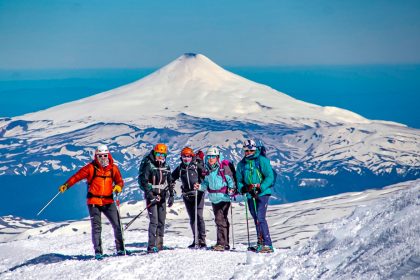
(161, 209)
(251, 207)
(221, 222)
(111, 212)
(95, 220)
(190, 206)
(226, 229)
(200, 217)
(153, 224)
(262, 204)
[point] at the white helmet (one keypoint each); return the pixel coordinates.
(250, 145)
(102, 149)
(213, 151)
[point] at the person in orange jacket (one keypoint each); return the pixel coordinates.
(103, 178)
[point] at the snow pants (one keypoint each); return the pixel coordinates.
(190, 205)
(258, 214)
(157, 217)
(221, 211)
(111, 212)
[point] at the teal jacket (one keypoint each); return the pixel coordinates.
(214, 181)
(248, 173)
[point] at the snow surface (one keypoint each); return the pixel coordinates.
(366, 235)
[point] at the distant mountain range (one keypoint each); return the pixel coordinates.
(317, 151)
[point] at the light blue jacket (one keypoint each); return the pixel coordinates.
(214, 181)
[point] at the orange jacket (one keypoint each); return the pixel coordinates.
(102, 184)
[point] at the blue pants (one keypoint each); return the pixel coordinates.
(259, 218)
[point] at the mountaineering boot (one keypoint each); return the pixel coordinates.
(152, 250)
(123, 253)
(265, 249)
(218, 247)
(99, 257)
(192, 246)
(202, 244)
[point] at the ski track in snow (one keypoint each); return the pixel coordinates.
(366, 235)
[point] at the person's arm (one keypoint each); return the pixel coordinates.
(239, 178)
(230, 182)
(83, 173)
(267, 172)
(170, 182)
(143, 178)
(204, 184)
(175, 174)
(118, 180)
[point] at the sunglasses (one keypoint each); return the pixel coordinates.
(212, 156)
(160, 154)
(105, 156)
(249, 151)
(186, 156)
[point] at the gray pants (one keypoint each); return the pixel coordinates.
(111, 212)
(157, 216)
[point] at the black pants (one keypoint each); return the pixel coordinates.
(111, 212)
(190, 205)
(157, 216)
(221, 210)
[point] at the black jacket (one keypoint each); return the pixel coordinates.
(189, 174)
(150, 174)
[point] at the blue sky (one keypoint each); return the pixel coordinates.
(44, 34)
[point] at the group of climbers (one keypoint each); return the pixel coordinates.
(198, 173)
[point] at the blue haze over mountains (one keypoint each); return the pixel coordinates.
(377, 92)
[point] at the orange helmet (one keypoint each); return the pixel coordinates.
(187, 151)
(160, 148)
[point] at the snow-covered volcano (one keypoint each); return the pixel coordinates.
(195, 86)
(316, 150)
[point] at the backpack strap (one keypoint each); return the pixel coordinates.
(95, 175)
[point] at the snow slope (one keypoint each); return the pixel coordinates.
(366, 235)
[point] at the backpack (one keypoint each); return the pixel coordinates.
(228, 168)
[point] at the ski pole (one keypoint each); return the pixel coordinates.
(117, 201)
(48, 203)
(231, 219)
(247, 223)
(195, 224)
(135, 218)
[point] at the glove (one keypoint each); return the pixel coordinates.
(255, 190)
(150, 196)
(197, 186)
(63, 188)
(244, 189)
(170, 201)
(117, 189)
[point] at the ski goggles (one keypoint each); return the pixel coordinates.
(188, 158)
(160, 154)
(102, 155)
(212, 156)
(249, 151)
